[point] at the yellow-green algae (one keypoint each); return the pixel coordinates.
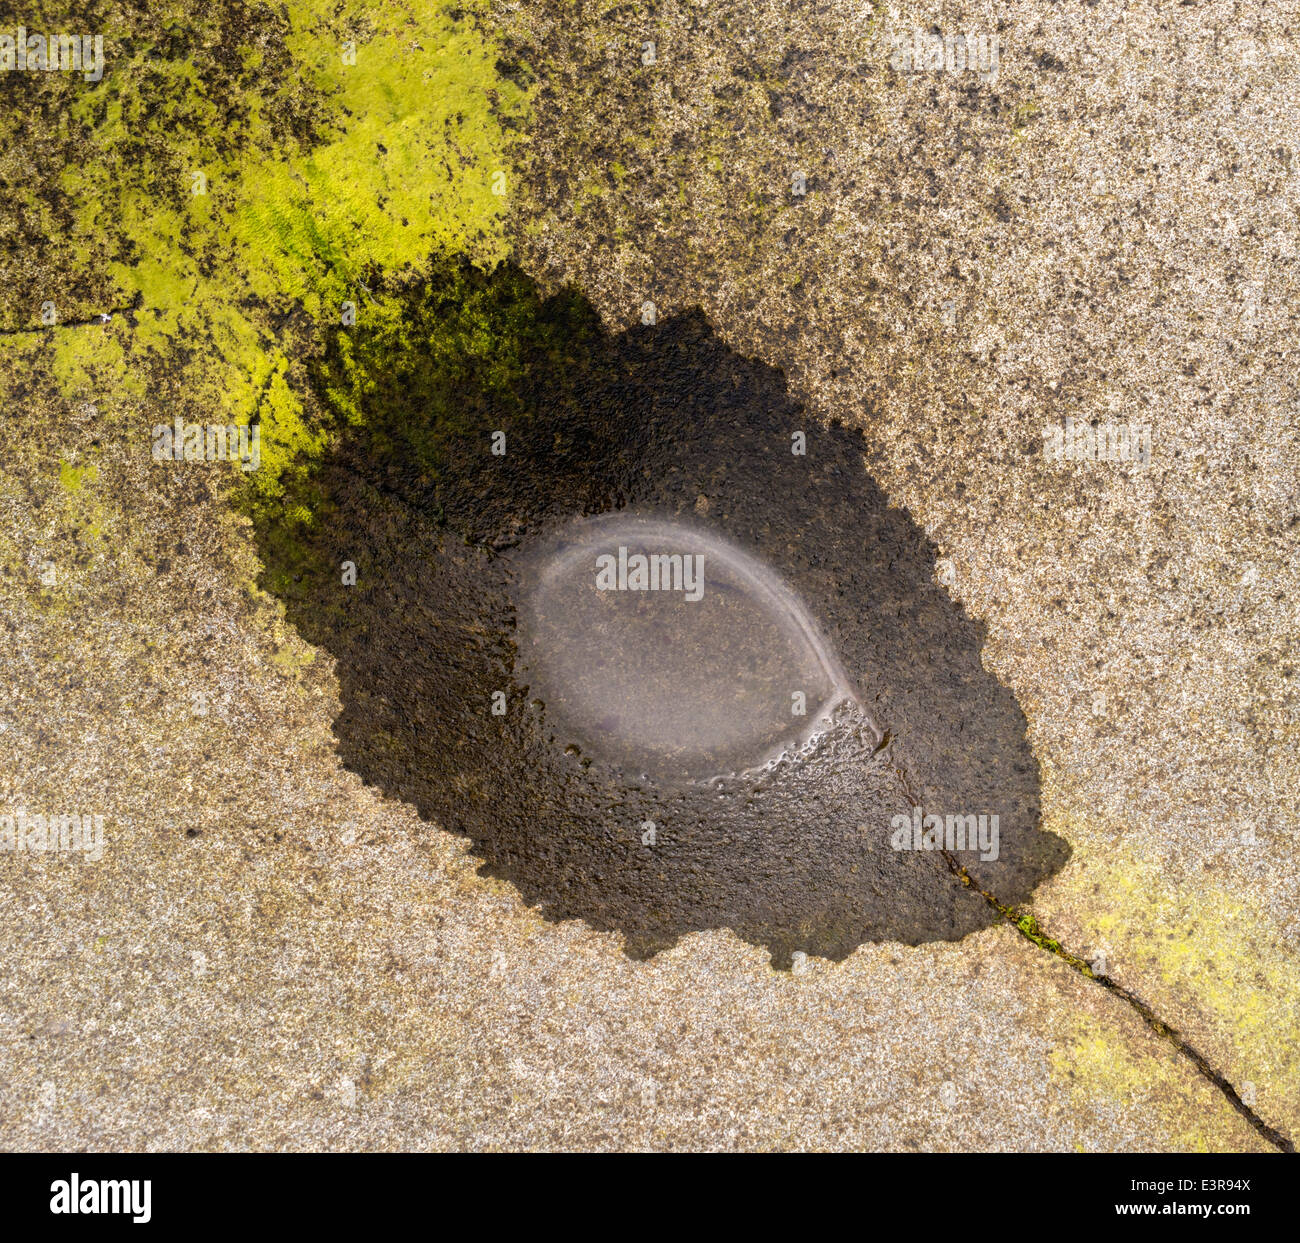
(411, 382)
(1254, 1010)
(239, 174)
(1102, 1068)
(1215, 957)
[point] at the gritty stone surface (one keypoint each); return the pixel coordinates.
(1106, 233)
(270, 955)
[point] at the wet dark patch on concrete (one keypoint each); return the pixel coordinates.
(662, 421)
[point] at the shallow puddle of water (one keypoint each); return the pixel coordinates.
(631, 757)
(666, 649)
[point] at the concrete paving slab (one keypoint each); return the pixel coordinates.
(980, 266)
(269, 955)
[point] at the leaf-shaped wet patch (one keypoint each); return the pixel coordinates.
(573, 734)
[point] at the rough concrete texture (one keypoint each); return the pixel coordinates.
(1107, 232)
(269, 955)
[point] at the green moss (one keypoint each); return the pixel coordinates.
(238, 200)
(71, 478)
(1024, 923)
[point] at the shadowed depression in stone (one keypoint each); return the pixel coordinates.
(511, 481)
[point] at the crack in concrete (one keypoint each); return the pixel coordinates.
(1027, 926)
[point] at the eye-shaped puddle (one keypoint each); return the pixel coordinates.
(629, 756)
(666, 649)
